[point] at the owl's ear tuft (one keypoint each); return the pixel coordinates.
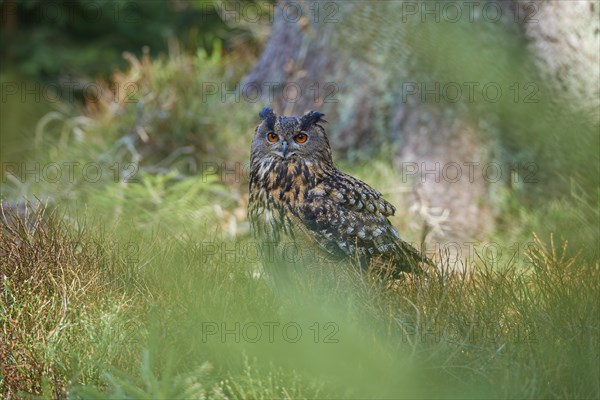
(268, 116)
(311, 118)
(266, 113)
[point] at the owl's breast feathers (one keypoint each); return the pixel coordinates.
(341, 214)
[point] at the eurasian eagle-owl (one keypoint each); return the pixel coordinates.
(298, 195)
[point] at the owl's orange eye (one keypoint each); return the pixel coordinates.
(272, 137)
(301, 137)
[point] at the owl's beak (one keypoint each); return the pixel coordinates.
(284, 148)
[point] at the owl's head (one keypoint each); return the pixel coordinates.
(291, 138)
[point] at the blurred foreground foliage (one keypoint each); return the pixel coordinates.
(95, 313)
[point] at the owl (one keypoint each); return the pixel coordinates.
(297, 195)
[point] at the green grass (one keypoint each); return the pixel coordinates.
(92, 320)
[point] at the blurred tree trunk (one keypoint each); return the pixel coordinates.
(9, 16)
(564, 42)
(410, 77)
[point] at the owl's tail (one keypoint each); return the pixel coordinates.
(410, 259)
(405, 259)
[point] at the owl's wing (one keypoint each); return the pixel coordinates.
(348, 215)
(311, 240)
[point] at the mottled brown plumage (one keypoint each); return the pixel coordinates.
(298, 195)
